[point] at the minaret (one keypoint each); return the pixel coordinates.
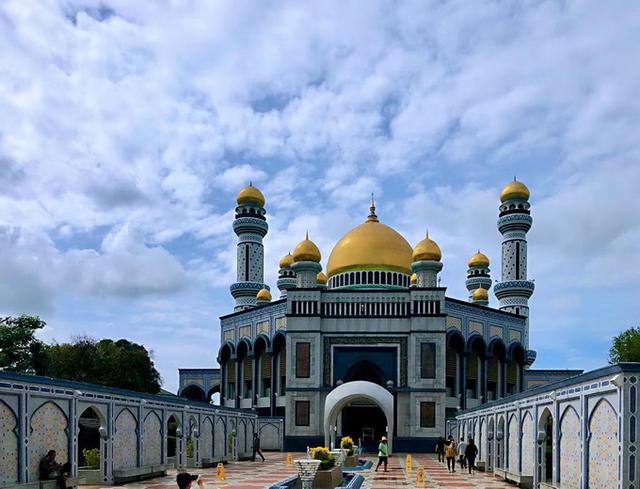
(478, 274)
(306, 256)
(426, 262)
(514, 221)
(251, 226)
(286, 275)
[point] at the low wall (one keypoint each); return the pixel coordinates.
(39, 413)
(577, 433)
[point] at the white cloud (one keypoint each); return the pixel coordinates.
(127, 130)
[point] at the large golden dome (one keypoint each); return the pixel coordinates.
(250, 194)
(514, 190)
(370, 246)
(306, 250)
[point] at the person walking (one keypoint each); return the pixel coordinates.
(256, 447)
(440, 449)
(470, 453)
(383, 453)
(451, 452)
(462, 447)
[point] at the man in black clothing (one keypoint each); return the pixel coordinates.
(440, 449)
(256, 447)
(470, 453)
(51, 470)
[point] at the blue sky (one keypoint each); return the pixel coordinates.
(128, 127)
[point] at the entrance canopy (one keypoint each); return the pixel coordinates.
(348, 392)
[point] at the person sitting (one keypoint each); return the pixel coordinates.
(50, 469)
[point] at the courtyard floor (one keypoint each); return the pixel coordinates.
(254, 475)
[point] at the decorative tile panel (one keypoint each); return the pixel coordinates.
(514, 335)
(603, 447)
(244, 331)
(8, 446)
(281, 323)
(125, 449)
(229, 335)
(454, 322)
(152, 440)
(206, 439)
(513, 437)
(528, 444)
(262, 327)
(570, 452)
(495, 331)
(475, 326)
(49, 432)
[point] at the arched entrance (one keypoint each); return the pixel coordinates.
(358, 391)
(545, 440)
(89, 440)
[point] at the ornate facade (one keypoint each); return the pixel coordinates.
(379, 315)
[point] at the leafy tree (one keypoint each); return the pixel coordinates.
(626, 347)
(121, 364)
(20, 350)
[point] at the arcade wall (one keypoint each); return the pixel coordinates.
(136, 431)
(577, 433)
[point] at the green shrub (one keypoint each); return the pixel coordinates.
(326, 459)
(92, 457)
(190, 447)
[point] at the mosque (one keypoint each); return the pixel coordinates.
(372, 345)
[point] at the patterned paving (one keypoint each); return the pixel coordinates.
(250, 475)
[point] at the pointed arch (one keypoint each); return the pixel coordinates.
(8, 445)
(49, 428)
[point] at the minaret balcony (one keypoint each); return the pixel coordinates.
(514, 288)
(250, 225)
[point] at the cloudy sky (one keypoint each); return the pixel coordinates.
(126, 129)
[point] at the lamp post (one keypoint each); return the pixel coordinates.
(307, 469)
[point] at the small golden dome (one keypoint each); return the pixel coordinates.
(427, 250)
(370, 246)
(479, 260)
(286, 261)
(480, 294)
(514, 190)
(306, 250)
(250, 194)
(414, 279)
(321, 278)
(263, 295)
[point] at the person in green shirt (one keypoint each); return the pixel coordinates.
(383, 453)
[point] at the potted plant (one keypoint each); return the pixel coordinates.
(346, 442)
(328, 475)
(90, 470)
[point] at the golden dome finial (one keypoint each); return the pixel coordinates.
(427, 250)
(321, 278)
(480, 294)
(479, 260)
(250, 194)
(414, 279)
(514, 190)
(286, 261)
(372, 211)
(306, 250)
(263, 294)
